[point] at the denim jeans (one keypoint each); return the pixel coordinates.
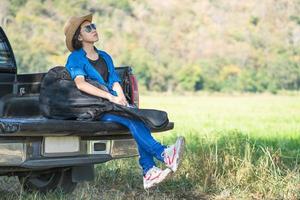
(148, 147)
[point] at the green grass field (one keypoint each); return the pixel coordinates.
(238, 147)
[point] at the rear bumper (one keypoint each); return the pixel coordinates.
(31, 154)
(65, 161)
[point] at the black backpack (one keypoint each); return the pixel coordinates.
(61, 99)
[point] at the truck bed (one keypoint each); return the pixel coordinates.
(20, 114)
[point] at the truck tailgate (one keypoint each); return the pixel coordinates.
(42, 126)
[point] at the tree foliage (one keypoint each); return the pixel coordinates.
(172, 46)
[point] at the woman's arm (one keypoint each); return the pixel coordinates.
(84, 86)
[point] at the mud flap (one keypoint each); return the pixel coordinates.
(83, 173)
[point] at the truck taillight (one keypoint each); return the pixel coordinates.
(134, 90)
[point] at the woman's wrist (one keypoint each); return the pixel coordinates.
(108, 96)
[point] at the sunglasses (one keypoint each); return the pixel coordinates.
(89, 28)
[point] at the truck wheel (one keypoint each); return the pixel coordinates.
(45, 182)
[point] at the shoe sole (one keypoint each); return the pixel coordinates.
(156, 184)
(180, 155)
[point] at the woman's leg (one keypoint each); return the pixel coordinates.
(147, 145)
(145, 160)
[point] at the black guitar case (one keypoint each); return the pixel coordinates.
(61, 99)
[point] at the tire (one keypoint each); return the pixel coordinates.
(48, 181)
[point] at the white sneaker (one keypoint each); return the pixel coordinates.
(155, 176)
(173, 154)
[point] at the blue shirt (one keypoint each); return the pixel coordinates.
(78, 64)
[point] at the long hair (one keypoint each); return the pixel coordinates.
(75, 42)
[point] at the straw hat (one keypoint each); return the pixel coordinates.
(71, 26)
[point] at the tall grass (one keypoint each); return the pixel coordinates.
(238, 147)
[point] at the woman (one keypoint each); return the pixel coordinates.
(87, 61)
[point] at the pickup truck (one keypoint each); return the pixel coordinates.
(47, 154)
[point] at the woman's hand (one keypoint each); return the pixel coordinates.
(118, 100)
(117, 87)
(124, 101)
